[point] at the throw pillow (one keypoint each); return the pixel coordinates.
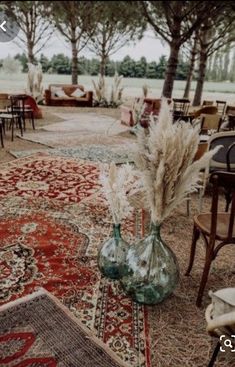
(78, 93)
(60, 93)
(223, 301)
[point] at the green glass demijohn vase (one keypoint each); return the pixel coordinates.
(153, 270)
(112, 255)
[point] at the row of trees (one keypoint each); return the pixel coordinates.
(61, 64)
(201, 27)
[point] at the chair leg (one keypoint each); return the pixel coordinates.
(228, 198)
(196, 235)
(20, 125)
(4, 126)
(12, 129)
(202, 190)
(204, 278)
(1, 135)
(32, 118)
(214, 355)
(188, 205)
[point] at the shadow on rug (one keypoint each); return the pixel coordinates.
(37, 330)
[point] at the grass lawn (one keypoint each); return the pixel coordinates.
(132, 86)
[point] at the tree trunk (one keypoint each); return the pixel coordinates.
(30, 51)
(171, 70)
(191, 69)
(201, 78)
(103, 52)
(74, 62)
(102, 65)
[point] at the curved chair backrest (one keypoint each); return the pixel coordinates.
(230, 110)
(219, 160)
(210, 110)
(207, 103)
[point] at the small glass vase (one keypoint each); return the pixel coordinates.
(112, 255)
(153, 270)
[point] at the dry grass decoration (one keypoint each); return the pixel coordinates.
(165, 160)
(117, 183)
(105, 98)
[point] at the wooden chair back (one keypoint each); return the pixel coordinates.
(230, 110)
(180, 106)
(221, 105)
(225, 180)
(219, 160)
(210, 122)
(207, 103)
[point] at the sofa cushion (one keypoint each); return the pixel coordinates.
(60, 93)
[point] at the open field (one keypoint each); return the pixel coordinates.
(132, 86)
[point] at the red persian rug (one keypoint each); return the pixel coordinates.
(49, 177)
(37, 330)
(52, 245)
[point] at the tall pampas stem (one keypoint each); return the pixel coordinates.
(165, 160)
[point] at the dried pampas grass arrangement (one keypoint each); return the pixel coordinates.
(164, 158)
(117, 183)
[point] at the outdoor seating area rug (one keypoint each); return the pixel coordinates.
(95, 153)
(51, 244)
(37, 330)
(84, 123)
(58, 139)
(49, 177)
(80, 128)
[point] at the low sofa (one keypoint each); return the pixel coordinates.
(62, 95)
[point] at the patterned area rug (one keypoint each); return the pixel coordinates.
(95, 153)
(81, 128)
(70, 139)
(85, 123)
(37, 330)
(46, 243)
(49, 177)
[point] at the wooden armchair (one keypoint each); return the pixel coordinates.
(214, 226)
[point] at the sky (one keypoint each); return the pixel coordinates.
(149, 46)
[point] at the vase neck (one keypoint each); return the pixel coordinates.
(117, 230)
(155, 229)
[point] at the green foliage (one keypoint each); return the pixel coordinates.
(129, 68)
(60, 64)
(23, 60)
(44, 61)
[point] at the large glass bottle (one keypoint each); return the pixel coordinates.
(153, 270)
(112, 255)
